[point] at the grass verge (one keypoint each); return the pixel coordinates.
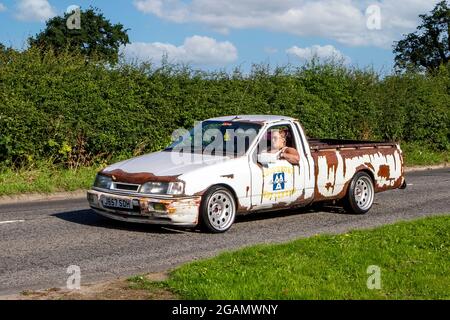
(46, 178)
(413, 258)
(422, 155)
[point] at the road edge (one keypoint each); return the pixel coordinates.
(425, 168)
(36, 197)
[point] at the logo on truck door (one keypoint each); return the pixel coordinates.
(278, 181)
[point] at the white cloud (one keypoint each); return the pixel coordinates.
(341, 20)
(321, 52)
(270, 50)
(34, 10)
(196, 50)
(2, 7)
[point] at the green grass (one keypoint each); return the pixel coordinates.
(45, 179)
(419, 155)
(414, 258)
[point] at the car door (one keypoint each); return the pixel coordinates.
(275, 182)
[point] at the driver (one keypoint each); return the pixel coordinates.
(278, 145)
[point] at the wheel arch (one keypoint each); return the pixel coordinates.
(229, 188)
(365, 170)
(349, 201)
(369, 172)
(200, 220)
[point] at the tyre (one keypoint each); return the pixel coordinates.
(360, 195)
(217, 210)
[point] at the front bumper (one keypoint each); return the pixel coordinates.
(181, 211)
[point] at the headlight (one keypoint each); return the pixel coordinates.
(103, 182)
(163, 187)
(175, 188)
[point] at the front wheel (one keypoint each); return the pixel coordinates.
(360, 195)
(217, 210)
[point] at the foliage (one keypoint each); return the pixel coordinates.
(97, 37)
(59, 108)
(429, 46)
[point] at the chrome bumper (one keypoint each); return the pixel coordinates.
(181, 211)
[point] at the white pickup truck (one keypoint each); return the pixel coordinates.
(235, 165)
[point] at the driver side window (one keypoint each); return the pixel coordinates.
(277, 143)
(276, 138)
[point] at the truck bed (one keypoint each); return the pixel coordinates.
(337, 161)
(336, 144)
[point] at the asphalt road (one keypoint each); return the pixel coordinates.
(40, 240)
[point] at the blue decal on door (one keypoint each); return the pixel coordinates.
(278, 181)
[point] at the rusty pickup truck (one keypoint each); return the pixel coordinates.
(240, 164)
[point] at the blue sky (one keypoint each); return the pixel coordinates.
(212, 34)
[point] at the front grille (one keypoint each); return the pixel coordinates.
(126, 187)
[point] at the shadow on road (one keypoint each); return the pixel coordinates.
(88, 217)
(316, 208)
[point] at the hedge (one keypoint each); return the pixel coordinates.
(66, 110)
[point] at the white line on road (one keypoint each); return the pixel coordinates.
(11, 221)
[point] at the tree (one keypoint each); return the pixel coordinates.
(429, 46)
(95, 38)
(4, 50)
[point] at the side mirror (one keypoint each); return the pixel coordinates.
(266, 158)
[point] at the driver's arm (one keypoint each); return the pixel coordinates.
(291, 155)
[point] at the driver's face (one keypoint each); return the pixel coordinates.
(278, 141)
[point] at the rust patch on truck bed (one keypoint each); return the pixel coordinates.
(138, 178)
(384, 172)
(329, 185)
(332, 167)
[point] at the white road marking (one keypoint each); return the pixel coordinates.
(409, 184)
(11, 221)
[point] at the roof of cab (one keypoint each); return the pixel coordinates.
(259, 118)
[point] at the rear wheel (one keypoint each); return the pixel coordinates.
(217, 210)
(360, 195)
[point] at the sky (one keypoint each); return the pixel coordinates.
(223, 34)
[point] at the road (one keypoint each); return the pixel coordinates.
(40, 240)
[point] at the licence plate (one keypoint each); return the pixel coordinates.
(120, 203)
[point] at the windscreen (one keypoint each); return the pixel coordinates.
(217, 138)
